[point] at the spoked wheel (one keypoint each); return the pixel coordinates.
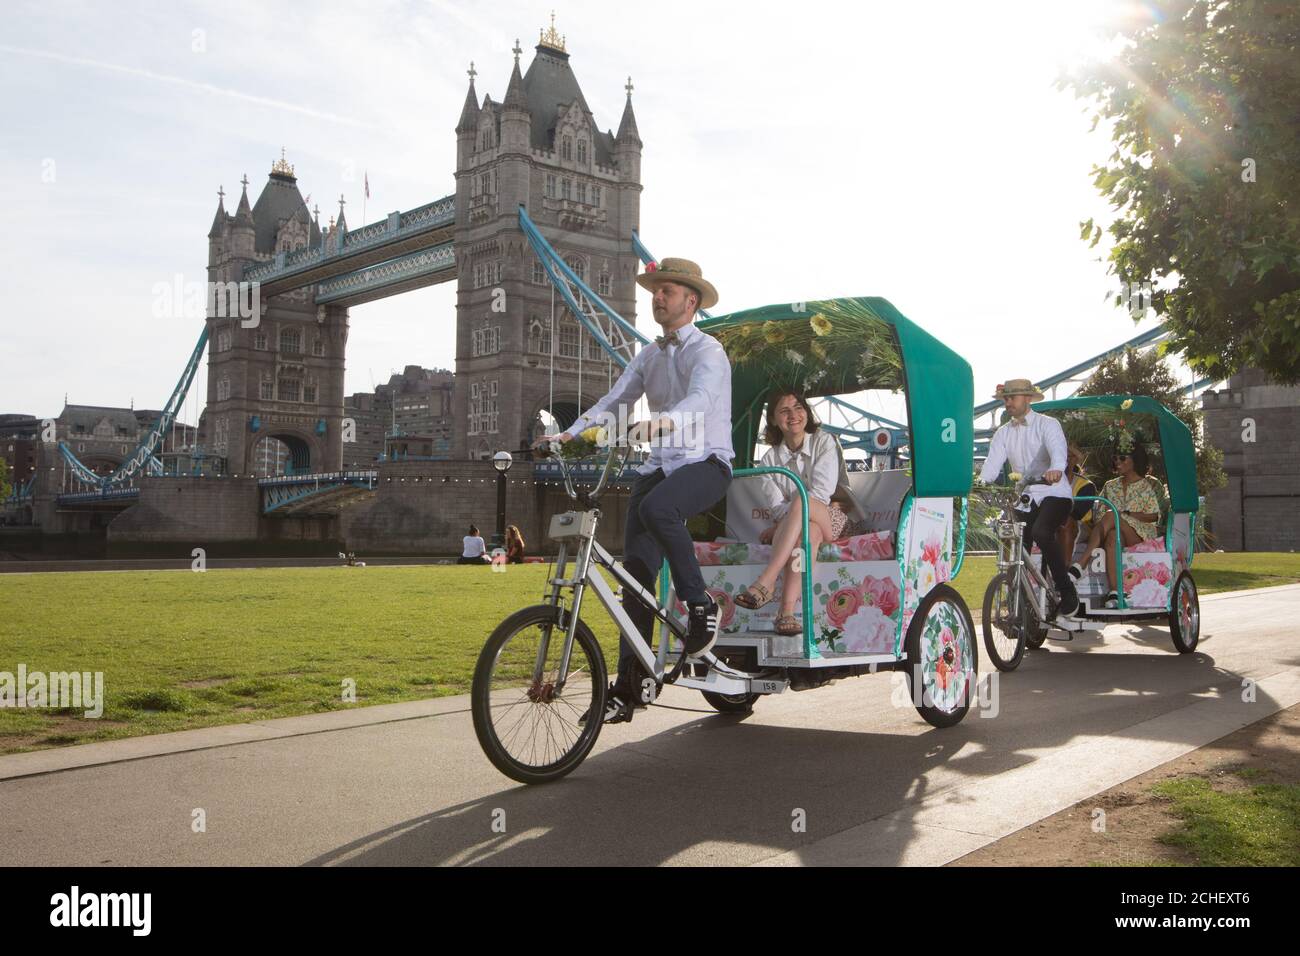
(531, 727)
(1185, 615)
(1004, 638)
(942, 657)
(731, 703)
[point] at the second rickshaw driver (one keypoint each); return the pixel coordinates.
(686, 378)
(1035, 445)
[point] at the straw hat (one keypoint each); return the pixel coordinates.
(1018, 386)
(682, 271)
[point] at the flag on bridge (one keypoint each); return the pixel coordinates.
(367, 176)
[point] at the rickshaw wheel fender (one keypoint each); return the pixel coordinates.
(730, 703)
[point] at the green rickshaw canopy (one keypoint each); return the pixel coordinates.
(1176, 444)
(842, 346)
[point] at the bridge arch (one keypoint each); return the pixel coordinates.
(283, 451)
(558, 414)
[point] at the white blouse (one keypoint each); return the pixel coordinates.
(818, 463)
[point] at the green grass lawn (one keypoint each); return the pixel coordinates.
(180, 649)
(1255, 826)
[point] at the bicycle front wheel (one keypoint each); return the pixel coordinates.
(533, 727)
(1004, 638)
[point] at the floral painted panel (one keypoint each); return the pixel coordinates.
(1147, 580)
(927, 559)
(858, 605)
(1182, 542)
(1148, 577)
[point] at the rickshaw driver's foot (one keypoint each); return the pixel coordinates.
(1075, 570)
(618, 706)
(703, 628)
(1069, 604)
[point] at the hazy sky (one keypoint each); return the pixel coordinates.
(914, 151)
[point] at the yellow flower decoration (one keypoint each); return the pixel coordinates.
(773, 332)
(820, 324)
(1015, 476)
(816, 349)
(1126, 404)
(595, 435)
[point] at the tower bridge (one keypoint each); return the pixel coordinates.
(540, 236)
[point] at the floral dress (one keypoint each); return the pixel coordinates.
(1139, 496)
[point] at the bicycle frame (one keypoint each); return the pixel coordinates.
(1016, 559)
(1024, 575)
(581, 527)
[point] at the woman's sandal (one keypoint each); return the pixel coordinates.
(787, 625)
(754, 597)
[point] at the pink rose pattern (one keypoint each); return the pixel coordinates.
(842, 605)
(1147, 584)
(726, 606)
(881, 593)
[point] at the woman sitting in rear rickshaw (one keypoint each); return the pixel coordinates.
(1134, 493)
(797, 443)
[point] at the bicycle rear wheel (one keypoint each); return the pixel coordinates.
(530, 727)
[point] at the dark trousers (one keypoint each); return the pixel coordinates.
(656, 528)
(1042, 522)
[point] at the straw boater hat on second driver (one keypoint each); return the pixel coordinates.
(1018, 386)
(682, 271)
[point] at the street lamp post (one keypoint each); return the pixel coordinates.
(501, 461)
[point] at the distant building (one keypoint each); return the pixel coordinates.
(415, 404)
(102, 436)
(1257, 426)
(18, 445)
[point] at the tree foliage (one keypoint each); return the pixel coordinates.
(6, 489)
(1145, 373)
(1203, 101)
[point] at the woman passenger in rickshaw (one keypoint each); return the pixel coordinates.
(798, 443)
(1133, 492)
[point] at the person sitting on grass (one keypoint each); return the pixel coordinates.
(474, 550)
(797, 443)
(514, 545)
(1132, 493)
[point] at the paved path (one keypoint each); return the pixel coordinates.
(406, 783)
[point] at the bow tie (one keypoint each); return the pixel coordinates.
(663, 341)
(1017, 422)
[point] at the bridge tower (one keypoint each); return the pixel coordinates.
(275, 379)
(540, 147)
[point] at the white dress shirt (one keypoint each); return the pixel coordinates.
(1034, 448)
(688, 382)
(817, 463)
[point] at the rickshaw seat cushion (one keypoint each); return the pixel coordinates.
(872, 546)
